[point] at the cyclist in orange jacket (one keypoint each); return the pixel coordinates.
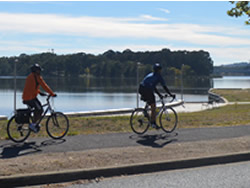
(31, 90)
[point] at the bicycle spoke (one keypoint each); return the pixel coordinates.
(168, 120)
(139, 121)
(57, 125)
(17, 132)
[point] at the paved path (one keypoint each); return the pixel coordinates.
(155, 139)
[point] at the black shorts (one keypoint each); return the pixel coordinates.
(147, 94)
(34, 103)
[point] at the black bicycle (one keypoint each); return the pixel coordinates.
(57, 124)
(140, 118)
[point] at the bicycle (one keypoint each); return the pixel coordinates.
(140, 118)
(57, 124)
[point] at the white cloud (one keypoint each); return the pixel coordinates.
(151, 18)
(230, 55)
(117, 27)
(164, 10)
(223, 43)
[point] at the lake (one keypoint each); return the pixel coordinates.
(238, 82)
(87, 94)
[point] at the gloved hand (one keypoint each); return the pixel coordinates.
(42, 94)
(173, 95)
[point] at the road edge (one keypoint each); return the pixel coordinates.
(73, 175)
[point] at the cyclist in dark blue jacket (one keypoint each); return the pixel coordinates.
(148, 87)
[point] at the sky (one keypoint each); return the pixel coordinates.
(67, 27)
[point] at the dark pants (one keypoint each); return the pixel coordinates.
(147, 94)
(36, 104)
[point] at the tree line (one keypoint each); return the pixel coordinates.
(236, 69)
(111, 63)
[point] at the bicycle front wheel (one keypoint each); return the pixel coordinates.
(17, 132)
(139, 121)
(168, 119)
(57, 125)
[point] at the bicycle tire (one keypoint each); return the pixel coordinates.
(57, 125)
(168, 119)
(139, 121)
(17, 132)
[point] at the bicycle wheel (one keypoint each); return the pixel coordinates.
(17, 132)
(57, 125)
(168, 119)
(139, 121)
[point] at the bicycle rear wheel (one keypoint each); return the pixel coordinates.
(168, 119)
(57, 125)
(17, 132)
(139, 121)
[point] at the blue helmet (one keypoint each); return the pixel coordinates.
(157, 67)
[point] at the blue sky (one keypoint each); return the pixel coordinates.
(95, 27)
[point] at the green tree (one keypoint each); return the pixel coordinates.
(111, 64)
(241, 8)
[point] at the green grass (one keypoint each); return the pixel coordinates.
(3, 133)
(231, 115)
(234, 95)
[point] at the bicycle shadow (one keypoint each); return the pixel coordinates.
(12, 150)
(155, 140)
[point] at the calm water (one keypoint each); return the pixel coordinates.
(239, 82)
(100, 94)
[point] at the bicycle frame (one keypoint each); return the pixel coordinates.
(162, 107)
(49, 108)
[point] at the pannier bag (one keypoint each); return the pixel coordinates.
(22, 116)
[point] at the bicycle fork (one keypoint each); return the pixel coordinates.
(54, 119)
(167, 118)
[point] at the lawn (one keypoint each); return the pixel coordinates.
(234, 95)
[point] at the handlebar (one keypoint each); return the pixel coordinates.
(47, 95)
(167, 96)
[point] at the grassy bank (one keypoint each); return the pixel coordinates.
(234, 95)
(231, 115)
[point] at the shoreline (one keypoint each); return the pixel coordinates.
(179, 106)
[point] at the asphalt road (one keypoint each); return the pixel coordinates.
(228, 176)
(156, 139)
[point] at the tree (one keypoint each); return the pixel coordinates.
(241, 8)
(111, 64)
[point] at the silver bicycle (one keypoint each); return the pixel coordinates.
(57, 123)
(140, 118)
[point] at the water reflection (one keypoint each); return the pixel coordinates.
(73, 85)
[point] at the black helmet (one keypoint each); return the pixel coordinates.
(35, 67)
(157, 67)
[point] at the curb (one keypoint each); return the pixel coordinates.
(73, 175)
(112, 111)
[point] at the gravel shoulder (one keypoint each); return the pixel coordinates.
(96, 158)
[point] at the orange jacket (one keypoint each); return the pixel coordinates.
(31, 89)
